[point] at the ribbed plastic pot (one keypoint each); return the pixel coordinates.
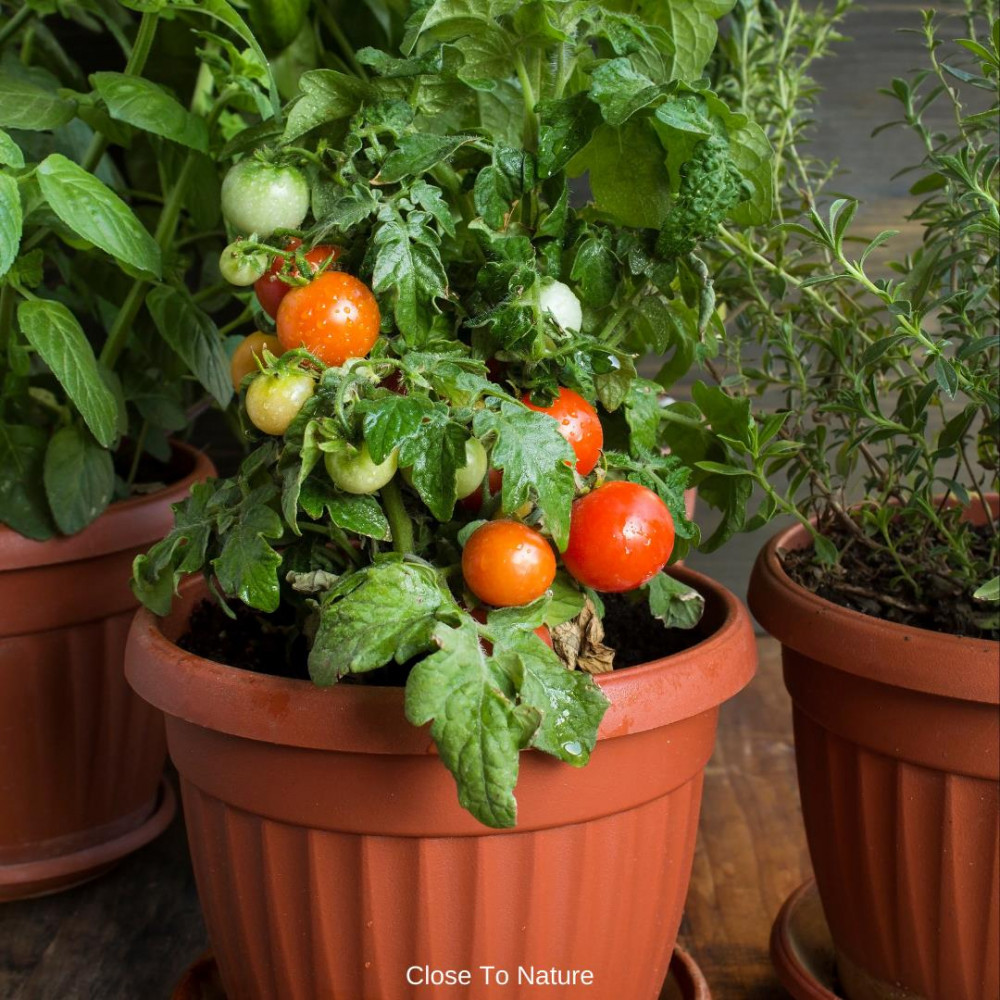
(897, 742)
(331, 854)
(81, 755)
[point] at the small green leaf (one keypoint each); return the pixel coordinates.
(145, 105)
(327, 95)
(79, 479)
(95, 212)
(10, 222)
(361, 515)
(10, 152)
(25, 105)
(417, 153)
(674, 603)
(989, 591)
(191, 332)
(23, 506)
(52, 330)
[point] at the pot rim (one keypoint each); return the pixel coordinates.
(888, 652)
(358, 718)
(124, 525)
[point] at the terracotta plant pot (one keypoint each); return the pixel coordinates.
(81, 756)
(897, 741)
(331, 854)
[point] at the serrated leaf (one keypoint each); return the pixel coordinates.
(92, 210)
(361, 515)
(537, 463)
(53, 331)
(192, 333)
(416, 153)
(10, 222)
(620, 91)
(675, 603)
(145, 105)
(356, 634)
(564, 127)
(25, 105)
(326, 95)
(23, 506)
(477, 729)
(79, 478)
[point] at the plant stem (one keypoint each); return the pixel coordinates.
(399, 520)
(15, 22)
(330, 22)
(140, 445)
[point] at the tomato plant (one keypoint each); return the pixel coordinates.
(353, 470)
(273, 401)
(621, 535)
(271, 287)
(507, 563)
(334, 317)
(578, 424)
(259, 197)
(248, 352)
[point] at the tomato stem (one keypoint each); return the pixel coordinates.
(15, 22)
(399, 520)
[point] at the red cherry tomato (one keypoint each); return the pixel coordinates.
(334, 317)
(620, 537)
(506, 563)
(479, 614)
(271, 289)
(474, 501)
(244, 359)
(578, 423)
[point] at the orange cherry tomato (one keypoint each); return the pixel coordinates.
(506, 563)
(334, 317)
(244, 359)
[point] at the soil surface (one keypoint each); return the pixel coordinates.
(870, 582)
(273, 644)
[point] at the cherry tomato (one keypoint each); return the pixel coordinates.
(506, 563)
(273, 401)
(354, 471)
(335, 317)
(271, 289)
(620, 537)
(260, 197)
(244, 359)
(474, 501)
(578, 424)
(469, 477)
(240, 268)
(479, 614)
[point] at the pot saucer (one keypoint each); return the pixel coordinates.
(684, 980)
(801, 947)
(47, 875)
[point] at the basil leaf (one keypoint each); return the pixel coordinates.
(10, 222)
(144, 105)
(79, 478)
(23, 506)
(26, 105)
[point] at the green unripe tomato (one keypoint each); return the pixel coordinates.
(240, 268)
(470, 476)
(353, 470)
(273, 401)
(260, 197)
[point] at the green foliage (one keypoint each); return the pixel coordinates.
(882, 374)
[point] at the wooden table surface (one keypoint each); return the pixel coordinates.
(130, 934)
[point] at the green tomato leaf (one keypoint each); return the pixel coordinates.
(433, 453)
(361, 515)
(26, 105)
(357, 635)
(477, 728)
(327, 96)
(564, 128)
(10, 222)
(628, 174)
(390, 421)
(247, 566)
(566, 601)
(537, 463)
(79, 478)
(620, 91)
(192, 333)
(92, 210)
(417, 153)
(570, 705)
(52, 330)
(23, 506)
(155, 574)
(675, 604)
(147, 106)
(10, 152)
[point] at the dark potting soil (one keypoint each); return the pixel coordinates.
(870, 582)
(273, 644)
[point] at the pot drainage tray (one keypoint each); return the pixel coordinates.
(802, 949)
